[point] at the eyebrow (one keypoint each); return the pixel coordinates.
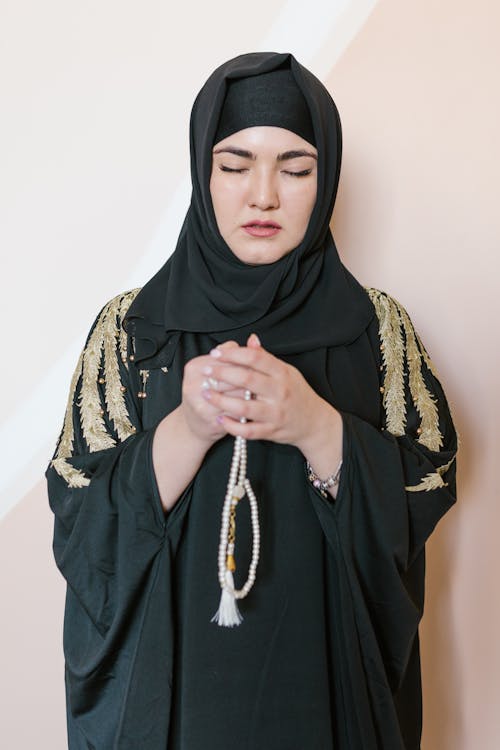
(281, 157)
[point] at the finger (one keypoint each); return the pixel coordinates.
(236, 392)
(199, 367)
(220, 386)
(257, 411)
(240, 377)
(247, 430)
(228, 345)
(253, 341)
(259, 359)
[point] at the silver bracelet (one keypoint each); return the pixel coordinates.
(323, 485)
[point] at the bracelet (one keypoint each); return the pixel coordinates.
(323, 485)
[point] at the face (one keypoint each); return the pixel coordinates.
(263, 188)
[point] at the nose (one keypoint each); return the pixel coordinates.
(263, 190)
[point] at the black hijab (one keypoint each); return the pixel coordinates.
(302, 301)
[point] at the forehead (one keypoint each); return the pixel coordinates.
(265, 139)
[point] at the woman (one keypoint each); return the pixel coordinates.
(253, 328)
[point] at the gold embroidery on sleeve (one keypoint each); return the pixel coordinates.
(424, 401)
(125, 303)
(426, 358)
(74, 477)
(114, 395)
(392, 348)
(107, 343)
(91, 411)
(393, 358)
(65, 447)
(432, 481)
(396, 354)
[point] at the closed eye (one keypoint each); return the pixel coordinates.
(302, 173)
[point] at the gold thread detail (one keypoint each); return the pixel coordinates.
(73, 477)
(392, 348)
(426, 357)
(92, 420)
(432, 481)
(125, 302)
(144, 375)
(396, 352)
(113, 394)
(108, 340)
(65, 447)
(425, 402)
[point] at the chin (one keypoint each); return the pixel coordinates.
(259, 257)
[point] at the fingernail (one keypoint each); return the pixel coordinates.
(207, 370)
(216, 353)
(207, 394)
(256, 338)
(219, 418)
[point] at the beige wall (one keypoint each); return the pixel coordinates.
(95, 101)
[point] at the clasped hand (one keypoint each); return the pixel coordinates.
(283, 408)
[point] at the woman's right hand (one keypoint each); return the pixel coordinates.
(199, 414)
(184, 436)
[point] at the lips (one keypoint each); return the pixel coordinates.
(257, 228)
(269, 224)
(262, 228)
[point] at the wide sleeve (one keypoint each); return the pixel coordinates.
(397, 481)
(109, 523)
(418, 430)
(112, 547)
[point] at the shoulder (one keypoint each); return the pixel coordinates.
(396, 327)
(410, 380)
(107, 331)
(97, 411)
(387, 308)
(116, 308)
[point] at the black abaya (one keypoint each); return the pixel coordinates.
(327, 655)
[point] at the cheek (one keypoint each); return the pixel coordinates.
(217, 194)
(311, 200)
(302, 204)
(224, 204)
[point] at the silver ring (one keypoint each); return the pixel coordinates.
(248, 395)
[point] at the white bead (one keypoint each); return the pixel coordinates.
(238, 486)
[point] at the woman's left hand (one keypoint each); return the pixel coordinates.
(283, 408)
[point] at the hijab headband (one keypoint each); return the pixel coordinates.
(266, 99)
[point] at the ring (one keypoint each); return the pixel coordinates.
(248, 395)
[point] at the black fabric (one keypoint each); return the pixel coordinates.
(327, 657)
(267, 99)
(303, 301)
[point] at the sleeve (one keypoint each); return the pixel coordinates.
(397, 481)
(418, 428)
(109, 523)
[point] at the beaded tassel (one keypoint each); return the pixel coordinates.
(238, 486)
